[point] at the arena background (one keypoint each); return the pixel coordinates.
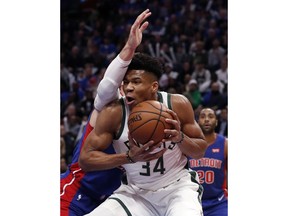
(30, 51)
(189, 34)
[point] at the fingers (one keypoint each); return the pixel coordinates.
(153, 156)
(143, 16)
(140, 19)
(147, 152)
(146, 147)
(144, 26)
(175, 122)
(132, 142)
(174, 133)
(174, 115)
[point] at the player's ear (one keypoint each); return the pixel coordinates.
(155, 86)
(216, 123)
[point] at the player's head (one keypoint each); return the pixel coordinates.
(141, 79)
(142, 61)
(207, 120)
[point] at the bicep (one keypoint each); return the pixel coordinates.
(102, 134)
(97, 141)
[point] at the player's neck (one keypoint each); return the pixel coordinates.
(210, 138)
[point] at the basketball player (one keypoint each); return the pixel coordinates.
(158, 183)
(82, 191)
(212, 168)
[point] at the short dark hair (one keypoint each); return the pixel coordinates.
(142, 61)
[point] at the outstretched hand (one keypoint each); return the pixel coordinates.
(138, 27)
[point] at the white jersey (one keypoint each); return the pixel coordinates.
(157, 173)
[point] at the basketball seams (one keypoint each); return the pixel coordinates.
(144, 111)
(154, 105)
(153, 117)
(147, 121)
(153, 132)
(159, 116)
(150, 112)
(148, 139)
(156, 125)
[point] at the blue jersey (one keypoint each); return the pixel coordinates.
(81, 192)
(212, 174)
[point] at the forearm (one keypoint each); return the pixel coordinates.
(127, 53)
(193, 147)
(107, 90)
(97, 160)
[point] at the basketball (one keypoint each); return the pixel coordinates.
(147, 121)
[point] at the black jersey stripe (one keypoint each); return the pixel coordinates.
(123, 205)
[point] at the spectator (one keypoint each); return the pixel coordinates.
(87, 103)
(69, 144)
(193, 94)
(67, 78)
(72, 97)
(185, 72)
(201, 75)
(222, 72)
(197, 50)
(215, 55)
(213, 98)
(164, 79)
(75, 59)
(222, 126)
(84, 80)
(71, 120)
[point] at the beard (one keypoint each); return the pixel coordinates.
(207, 130)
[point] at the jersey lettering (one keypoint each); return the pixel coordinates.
(159, 167)
(171, 146)
(206, 177)
(205, 162)
(147, 168)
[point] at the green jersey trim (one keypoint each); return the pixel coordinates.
(123, 205)
(117, 136)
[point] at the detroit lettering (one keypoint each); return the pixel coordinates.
(206, 162)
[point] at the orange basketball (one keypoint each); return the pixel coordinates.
(147, 121)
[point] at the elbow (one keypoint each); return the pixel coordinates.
(82, 162)
(199, 155)
(202, 149)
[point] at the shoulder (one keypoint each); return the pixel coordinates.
(222, 138)
(111, 114)
(179, 100)
(183, 108)
(223, 141)
(113, 106)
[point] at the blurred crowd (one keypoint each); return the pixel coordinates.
(188, 36)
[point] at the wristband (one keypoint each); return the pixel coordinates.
(129, 158)
(182, 138)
